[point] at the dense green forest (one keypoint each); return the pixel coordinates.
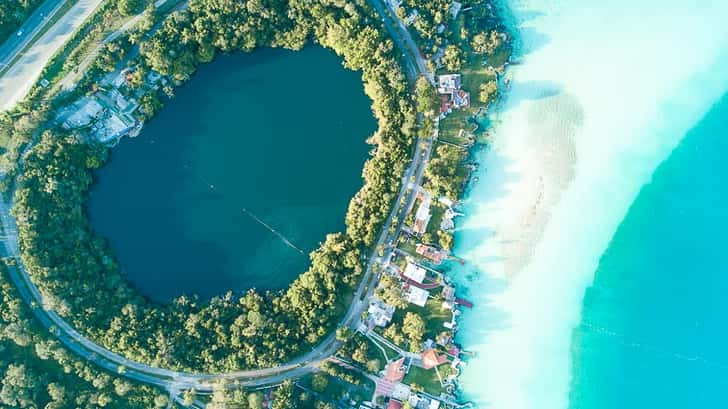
(12, 15)
(79, 276)
(36, 371)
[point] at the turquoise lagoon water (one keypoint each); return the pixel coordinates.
(653, 330)
(605, 92)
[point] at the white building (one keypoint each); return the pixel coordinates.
(414, 272)
(448, 83)
(417, 296)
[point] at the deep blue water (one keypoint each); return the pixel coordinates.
(654, 331)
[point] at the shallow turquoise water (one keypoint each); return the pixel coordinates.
(654, 327)
(278, 133)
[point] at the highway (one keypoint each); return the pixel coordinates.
(15, 43)
(27, 65)
(175, 381)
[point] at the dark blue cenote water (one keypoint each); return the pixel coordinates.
(274, 135)
(654, 330)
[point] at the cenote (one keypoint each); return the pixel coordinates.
(276, 133)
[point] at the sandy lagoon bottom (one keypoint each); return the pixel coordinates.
(581, 131)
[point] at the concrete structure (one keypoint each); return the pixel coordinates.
(414, 272)
(417, 296)
(87, 111)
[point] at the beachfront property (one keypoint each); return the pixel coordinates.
(417, 296)
(414, 272)
(431, 253)
(452, 96)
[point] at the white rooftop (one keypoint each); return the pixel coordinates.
(417, 296)
(414, 272)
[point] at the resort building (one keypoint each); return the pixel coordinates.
(417, 296)
(380, 313)
(414, 272)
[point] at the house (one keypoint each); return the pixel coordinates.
(380, 313)
(417, 296)
(394, 372)
(394, 404)
(414, 272)
(430, 358)
(430, 253)
(451, 95)
(423, 215)
(448, 83)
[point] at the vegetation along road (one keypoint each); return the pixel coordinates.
(175, 381)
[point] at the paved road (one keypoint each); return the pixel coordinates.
(15, 43)
(24, 72)
(175, 381)
(402, 38)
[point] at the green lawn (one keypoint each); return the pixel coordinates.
(427, 379)
(438, 212)
(432, 313)
(338, 389)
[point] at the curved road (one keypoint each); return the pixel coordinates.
(175, 381)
